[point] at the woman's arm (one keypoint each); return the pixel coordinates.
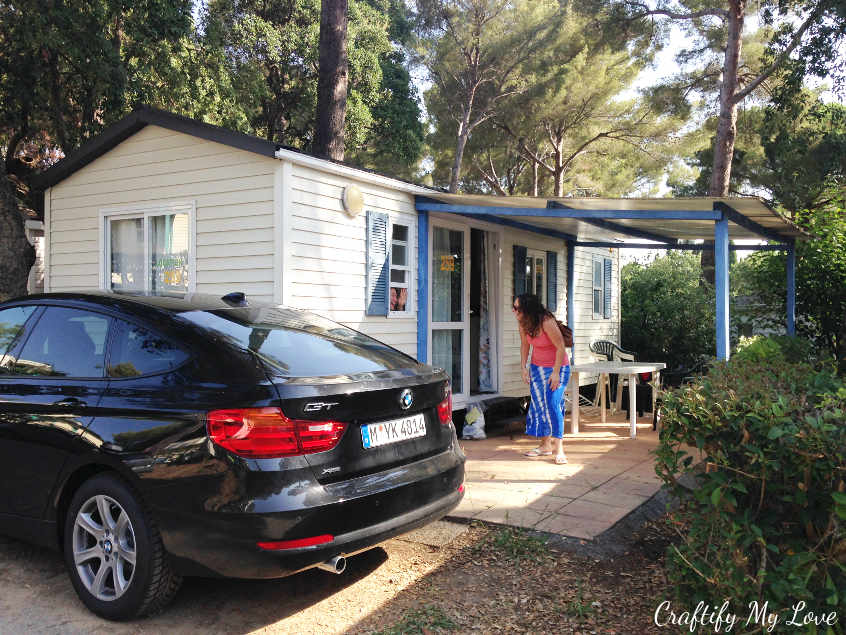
(550, 327)
(524, 355)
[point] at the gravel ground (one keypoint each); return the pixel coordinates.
(486, 579)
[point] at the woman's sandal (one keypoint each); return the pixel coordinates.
(538, 452)
(560, 459)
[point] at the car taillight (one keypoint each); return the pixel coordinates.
(266, 433)
(445, 408)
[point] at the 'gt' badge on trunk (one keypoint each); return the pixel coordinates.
(406, 399)
(318, 405)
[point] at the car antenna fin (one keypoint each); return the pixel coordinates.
(236, 298)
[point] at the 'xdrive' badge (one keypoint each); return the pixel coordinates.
(406, 399)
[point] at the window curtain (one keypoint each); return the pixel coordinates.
(485, 383)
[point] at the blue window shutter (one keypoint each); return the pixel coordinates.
(520, 254)
(606, 280)
(552, 281)
(377, 264)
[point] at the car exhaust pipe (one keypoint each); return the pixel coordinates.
(336, 565)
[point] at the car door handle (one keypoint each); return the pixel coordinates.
(69, 402)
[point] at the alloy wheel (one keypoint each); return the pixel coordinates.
(104, 547)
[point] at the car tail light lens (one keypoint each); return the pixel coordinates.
(266, 433)
(445, 407)
(297, 543)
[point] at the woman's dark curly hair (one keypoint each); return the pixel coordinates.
(531, 313)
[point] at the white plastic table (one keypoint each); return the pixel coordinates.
(617, 368)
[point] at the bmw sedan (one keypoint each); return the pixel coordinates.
(150, 438)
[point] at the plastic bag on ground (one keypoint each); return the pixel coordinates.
(474, 423)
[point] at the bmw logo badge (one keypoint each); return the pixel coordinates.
(406, 399)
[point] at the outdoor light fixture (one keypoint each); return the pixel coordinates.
(352, 200)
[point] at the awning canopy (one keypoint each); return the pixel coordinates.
(594, 222)
(593, 219)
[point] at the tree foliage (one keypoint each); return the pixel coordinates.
(474, 51)
(666, 314)
(270, 51)
(793, 154)
(565, 125)
(820, 278)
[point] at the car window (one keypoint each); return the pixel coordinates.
(136, 351)
(297, 343)
(65, 343)
(12, 321)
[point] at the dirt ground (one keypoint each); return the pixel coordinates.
(487, 580)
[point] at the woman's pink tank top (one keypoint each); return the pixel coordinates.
(543, 350)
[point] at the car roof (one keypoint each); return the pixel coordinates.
(139, 301)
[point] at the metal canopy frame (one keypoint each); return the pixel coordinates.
(526, 217)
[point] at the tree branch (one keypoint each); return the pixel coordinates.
(718, 13)
(794, 42)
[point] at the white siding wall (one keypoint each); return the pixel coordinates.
(587, 328)
(328, 252)
(512, 382)
(233, 190)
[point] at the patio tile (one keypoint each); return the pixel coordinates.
(594, 512)
(607, 476)
(514, 516)
(627, 486)
(608, 496)
(570, 526)
(548, 503)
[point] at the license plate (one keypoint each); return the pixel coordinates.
(386, 432)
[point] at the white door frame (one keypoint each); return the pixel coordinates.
(494, 302)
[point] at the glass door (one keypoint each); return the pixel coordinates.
(450, 297)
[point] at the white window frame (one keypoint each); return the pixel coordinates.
(107, 215)
(601, 288)
(409, 268)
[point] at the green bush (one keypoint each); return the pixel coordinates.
(774, 349)
(765, 521)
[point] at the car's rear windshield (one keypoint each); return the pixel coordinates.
(298, 343)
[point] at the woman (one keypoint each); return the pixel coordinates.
(547, 375)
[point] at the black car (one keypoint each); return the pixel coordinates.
(152, 437)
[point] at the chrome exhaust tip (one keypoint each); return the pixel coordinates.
(336, 565)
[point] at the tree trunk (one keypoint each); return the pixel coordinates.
(535, 179)
(332, 81)
(16, 254)
(727, 124)
(461, 143)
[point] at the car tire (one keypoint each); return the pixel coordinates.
(119, 568)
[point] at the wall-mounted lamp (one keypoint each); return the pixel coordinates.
(352, 200)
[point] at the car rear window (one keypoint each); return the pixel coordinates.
(136, 351)
(298, 343)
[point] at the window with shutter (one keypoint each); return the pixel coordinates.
(520, 277)
(597, 288)
(551, 281)
(378, 265)
(606, 280)
(401, 301)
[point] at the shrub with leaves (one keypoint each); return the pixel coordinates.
(766, 520)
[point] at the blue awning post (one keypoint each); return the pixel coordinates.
(571, 288)
(721, 262)
(791, 290)
(422, 286)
